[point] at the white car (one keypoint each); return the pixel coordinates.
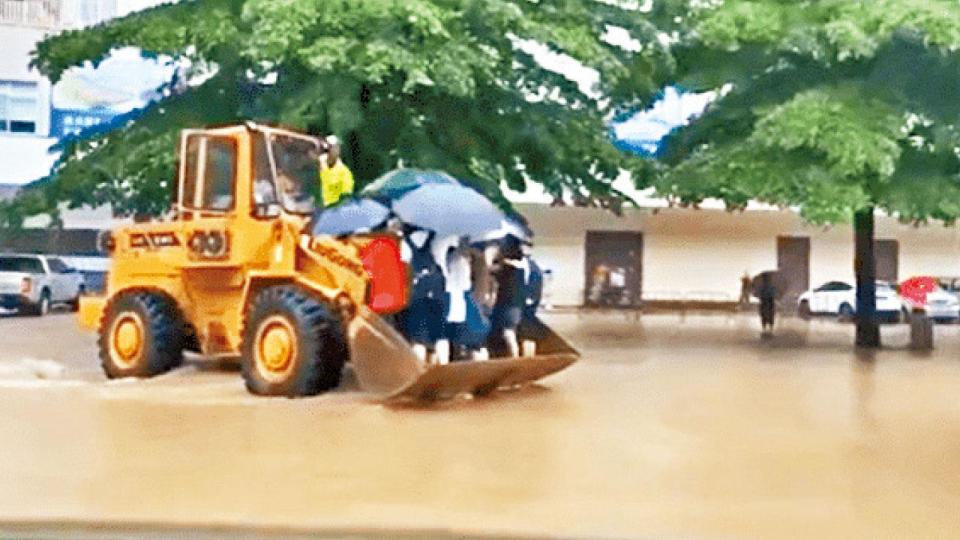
(942, 306)
(840, 299)
(926, 293)
(33, 283)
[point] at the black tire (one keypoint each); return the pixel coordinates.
(803, 311)
(846, 312)
(42, 307)
(319, 350)
(161, 330)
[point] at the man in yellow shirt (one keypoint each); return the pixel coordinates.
(336, 180)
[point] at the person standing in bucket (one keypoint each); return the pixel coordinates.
(465, 328)
(508, 307)
(531, 329)
(422, 321)
(532, 281)
(336, 179)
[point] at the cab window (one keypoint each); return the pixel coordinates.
(57, 266)
(209, 173)
(29, 265)
(264, 192)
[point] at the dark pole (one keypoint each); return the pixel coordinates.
(865, 266)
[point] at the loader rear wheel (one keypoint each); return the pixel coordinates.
(293, 344)
(140, 336)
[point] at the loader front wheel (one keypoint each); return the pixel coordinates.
(293, 344)
(140, 336)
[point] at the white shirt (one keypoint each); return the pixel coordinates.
(455, 266)
(418, 238)
(439, 250)
(458, 285)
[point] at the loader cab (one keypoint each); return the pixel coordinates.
(243, 189)
(249, 170)
(285, 171)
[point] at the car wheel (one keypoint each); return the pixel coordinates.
(42, 307)
(75, 303)
(846, 312)
(140, 335)
(293, 344)
(804, 310)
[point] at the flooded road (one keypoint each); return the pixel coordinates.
(669, 427)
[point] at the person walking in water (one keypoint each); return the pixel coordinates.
(767, 292)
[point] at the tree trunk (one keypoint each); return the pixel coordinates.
(865, 266)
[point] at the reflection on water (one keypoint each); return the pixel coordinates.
(694, 429)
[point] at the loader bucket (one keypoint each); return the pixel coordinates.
(386, 366)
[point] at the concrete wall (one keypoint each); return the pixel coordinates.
(701, 254)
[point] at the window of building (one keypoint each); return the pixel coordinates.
(18, 107)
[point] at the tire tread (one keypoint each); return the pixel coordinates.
(322, 346)
(163, 324)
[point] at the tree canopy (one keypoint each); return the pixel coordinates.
(833, 106)
(429, 83)
(836, 107)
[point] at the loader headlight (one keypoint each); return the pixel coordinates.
(215, 244)
(196, 243)
(209, 244)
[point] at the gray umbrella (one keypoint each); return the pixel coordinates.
(351, 216)
(449, 210)
(397, 183)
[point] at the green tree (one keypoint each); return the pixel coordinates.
(836, 107)
(430, 83)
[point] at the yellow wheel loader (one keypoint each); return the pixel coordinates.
(233, 272)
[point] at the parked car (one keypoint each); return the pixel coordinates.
(840, 299)
(925, 293)
(950, 284)
(34, 283)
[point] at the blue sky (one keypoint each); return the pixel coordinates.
(646, 128)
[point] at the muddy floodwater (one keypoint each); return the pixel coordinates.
(669, 427)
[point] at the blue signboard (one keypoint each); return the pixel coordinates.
(64, 122)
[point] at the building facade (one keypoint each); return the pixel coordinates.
(26, 105)
(673, 254)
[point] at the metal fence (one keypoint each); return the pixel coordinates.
(51, 241)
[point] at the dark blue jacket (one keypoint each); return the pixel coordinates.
(533, 289)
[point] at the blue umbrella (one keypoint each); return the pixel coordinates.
(507, 227)
(517, 220)
(350, 216)
(397, 183)
(449, 210)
